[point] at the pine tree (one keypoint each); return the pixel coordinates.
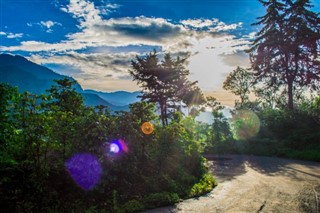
(286, 48)
(165, 83)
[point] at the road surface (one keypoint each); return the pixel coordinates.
(257, 184)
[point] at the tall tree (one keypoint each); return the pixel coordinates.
(65, 97)
(239, 82)
(165, 83)
(286, 48)
(220, 130)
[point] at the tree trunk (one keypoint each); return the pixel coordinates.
(290, 95)
(162, 114)
(166, 114)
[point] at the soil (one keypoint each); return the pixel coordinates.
(257, 184)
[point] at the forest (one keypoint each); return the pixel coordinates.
(59, 155)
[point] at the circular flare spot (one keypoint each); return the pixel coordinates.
(85, 169)
(114, 148)
(118, 146)
(147, 128)
(245, 124)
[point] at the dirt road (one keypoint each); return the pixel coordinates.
(257, 184)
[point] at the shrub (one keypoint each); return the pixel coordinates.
(206, 184)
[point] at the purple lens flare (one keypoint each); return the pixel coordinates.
(85, 169)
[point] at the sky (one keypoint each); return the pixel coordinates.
(95, 41)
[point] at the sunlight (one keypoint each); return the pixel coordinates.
(207, 65)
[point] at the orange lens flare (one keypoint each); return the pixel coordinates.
(147, 128)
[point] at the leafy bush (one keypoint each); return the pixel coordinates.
(161, 199)
(133, 206)
(206, 184)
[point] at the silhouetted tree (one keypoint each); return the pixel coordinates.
(165, 83)
(239, 82)
(286, 48)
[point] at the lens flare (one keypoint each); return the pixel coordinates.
(245, 124)
(85, 169)
(118, 146)
(114, 148)
(147, 128)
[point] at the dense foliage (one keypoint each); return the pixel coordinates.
(57, 155)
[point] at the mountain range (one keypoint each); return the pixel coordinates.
(28, 76)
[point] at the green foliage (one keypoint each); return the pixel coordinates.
(312, 155)
(133, 206)
(160, 199)
(283, 133)
(220, 138)
(206, 184)
(42, 132)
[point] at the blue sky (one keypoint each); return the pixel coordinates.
(94, 41)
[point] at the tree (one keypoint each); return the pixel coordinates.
(220, 130)
(65, 97)
(165, 83)
(65, 109)
(286, 48)
(239, 82)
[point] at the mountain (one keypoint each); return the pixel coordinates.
(119, 98)
(32, 77)
(28, 76)
(95, 100)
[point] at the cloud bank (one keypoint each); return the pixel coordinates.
(207, 41)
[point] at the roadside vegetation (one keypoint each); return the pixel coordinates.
(283, 118)
(58, 155)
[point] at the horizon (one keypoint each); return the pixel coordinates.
(95, 41)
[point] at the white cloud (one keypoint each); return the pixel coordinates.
(85, 11)
(95, 31)
(250, 36)
(96, 70)
(48, 25)
(112, 6)
(109, 8)
(199, 23)
(11, 35)
(207, 41)
(14, 35)
(38, 46)
(221, 26)
(97, 65)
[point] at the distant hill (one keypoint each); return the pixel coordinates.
(28, 76)
(119, 98)
(32, 77)
(95, 100)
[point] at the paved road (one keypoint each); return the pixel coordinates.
(257, 184)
